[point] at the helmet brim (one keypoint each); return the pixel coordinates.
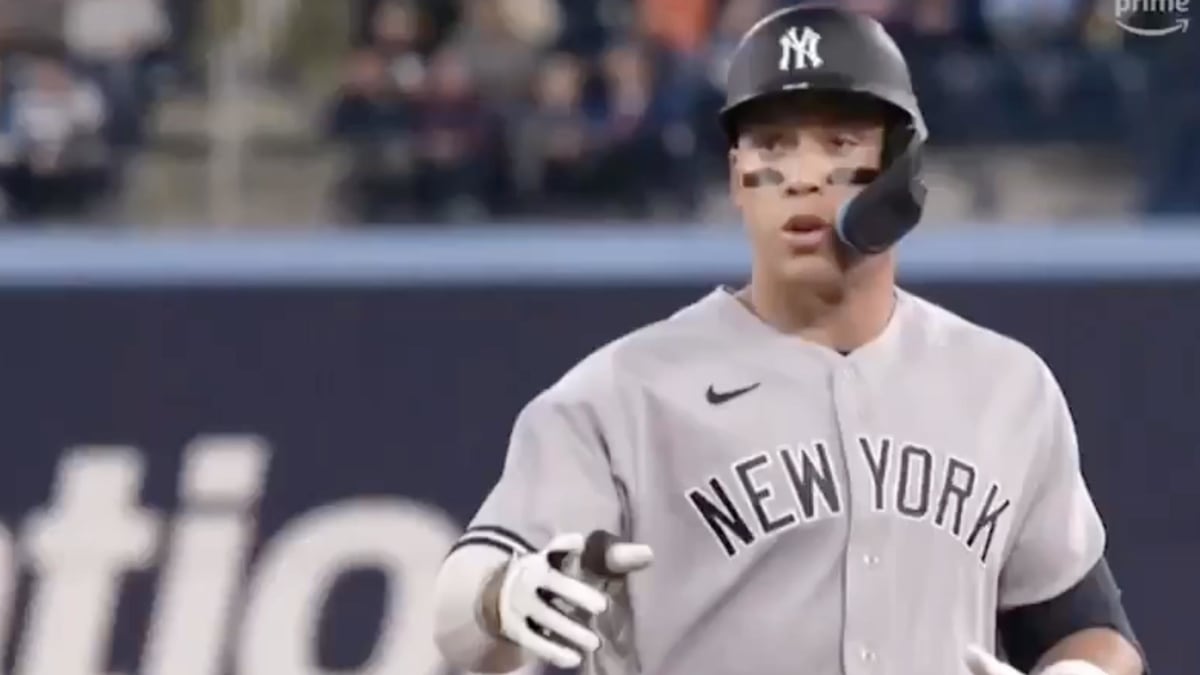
(899, 104)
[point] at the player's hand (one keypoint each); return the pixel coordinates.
(980, 662)
(546, 610)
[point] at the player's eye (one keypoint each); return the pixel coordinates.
(844, 141)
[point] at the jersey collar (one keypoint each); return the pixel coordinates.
(747, 325)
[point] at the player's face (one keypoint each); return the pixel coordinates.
(790, 173)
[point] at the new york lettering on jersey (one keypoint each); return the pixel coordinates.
(906, 479)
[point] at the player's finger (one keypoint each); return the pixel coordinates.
(626, 558)
(548, 650)
(564, 627)
(980, 662)
(576, 592)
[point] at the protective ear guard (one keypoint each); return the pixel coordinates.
(890, 206)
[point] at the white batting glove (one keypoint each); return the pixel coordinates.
(980, 662)
(546, 611)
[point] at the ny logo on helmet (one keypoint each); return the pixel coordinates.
(799, 50)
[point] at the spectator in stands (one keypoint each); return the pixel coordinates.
(372, 118)
(371, 105)
(53, 108)
(1032, 33)
(455, 139)
(535, 22)
(58, 160)
(376, 114)
(585, 25)
(501, 59)
(112, 40)
(1065, 91)
(556, 141)
(646, 142)
(434, 18)
(398, 36)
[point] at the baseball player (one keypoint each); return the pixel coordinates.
(818, 472)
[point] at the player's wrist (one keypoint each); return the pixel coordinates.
(488, 608)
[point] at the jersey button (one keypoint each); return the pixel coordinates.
(870, 560)
(867, 655)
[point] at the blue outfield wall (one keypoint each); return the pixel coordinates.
(247, 454)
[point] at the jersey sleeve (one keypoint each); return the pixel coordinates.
(1061, 536)
(557, 477)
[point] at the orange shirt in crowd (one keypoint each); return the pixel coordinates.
(681, 25)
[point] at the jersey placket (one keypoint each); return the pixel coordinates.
(866, 583)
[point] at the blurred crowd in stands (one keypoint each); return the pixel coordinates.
(605, 108)
(76, 89)
(461, 109)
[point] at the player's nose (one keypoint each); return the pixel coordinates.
(805, 174)
(799, 184)
(800, 187)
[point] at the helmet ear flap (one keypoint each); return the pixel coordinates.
(890, 206)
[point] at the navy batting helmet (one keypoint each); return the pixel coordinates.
(825, 49)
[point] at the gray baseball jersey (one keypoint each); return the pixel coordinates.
(809, 512)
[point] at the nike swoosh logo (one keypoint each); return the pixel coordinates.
(718, 397)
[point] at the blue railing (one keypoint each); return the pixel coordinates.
(471, 255)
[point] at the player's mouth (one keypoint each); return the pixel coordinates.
(805, 233)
